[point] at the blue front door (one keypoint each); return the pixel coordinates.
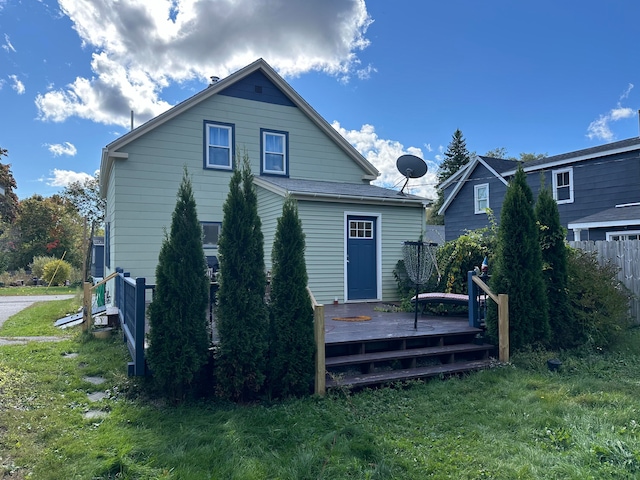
(362, 274)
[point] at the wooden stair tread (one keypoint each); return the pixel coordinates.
(402, 354)
(407, 374)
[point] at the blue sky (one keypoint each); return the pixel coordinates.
(397, 77)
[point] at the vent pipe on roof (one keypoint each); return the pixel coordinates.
(131, 119)
(214, 80)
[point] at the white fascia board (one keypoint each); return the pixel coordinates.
(465, 178)
(493, 172)
(327, 197)
(566, 161)
(106, 164)
(611, 223)
(456, 175)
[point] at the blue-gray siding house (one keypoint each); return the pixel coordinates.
(597, 190)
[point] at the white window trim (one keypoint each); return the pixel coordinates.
(476, 208)
(554, 175)
(208, 144)
(623, 232)
(378, 234)
(283, 153)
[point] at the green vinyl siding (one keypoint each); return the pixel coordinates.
(269, 210)
(143, 187)
(324, 226)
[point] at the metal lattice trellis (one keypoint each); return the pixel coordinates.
(419, 261)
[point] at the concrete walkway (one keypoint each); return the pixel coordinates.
(9, 306)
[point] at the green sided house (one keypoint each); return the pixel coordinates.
(354, 230)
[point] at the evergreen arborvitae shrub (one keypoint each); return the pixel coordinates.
(518, 269)
(178, 338)
(554, 270)
(241, 316)
(292, 345)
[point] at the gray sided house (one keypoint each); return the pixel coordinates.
(354, 230)
(597, 190)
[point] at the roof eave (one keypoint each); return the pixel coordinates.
(580, 158)
(370, 172)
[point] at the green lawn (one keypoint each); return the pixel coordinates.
(511, 422)
(40, 290)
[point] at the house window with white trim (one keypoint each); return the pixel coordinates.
(274, 149)
(620, 236)
(218, 146)
(563, 185)
(210, 234)
(481, 198)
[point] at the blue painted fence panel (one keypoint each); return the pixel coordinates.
(130, 296)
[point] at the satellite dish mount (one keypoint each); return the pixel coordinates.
(410, 167)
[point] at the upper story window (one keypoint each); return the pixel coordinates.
(210, 234)
(274, 152)
(563, 185)
(218, 145)
(481, 198)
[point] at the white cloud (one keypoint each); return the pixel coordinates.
(600, 129)
(383, 155)
(18, 86)
(7, 43)
(142, 47)
(65, 148)
(62, 178)
(626, 93)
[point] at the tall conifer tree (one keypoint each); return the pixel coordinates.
(554, 259)
(455, 158)
(178, 313)
(292, 346)
(518, 269)
(242, 317)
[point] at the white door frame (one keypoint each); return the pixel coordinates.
(378, 217)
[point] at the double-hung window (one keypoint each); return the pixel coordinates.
(274, 152)
(563, 185)
(218, 143)
(210, 234)
(481, 198)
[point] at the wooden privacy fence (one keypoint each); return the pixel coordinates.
(625, 254)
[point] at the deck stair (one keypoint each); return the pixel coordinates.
(373, 361)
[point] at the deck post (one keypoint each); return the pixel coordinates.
(86, 307)
(318, 322)
(503, 327)
(139, 326)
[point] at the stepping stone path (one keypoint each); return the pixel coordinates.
(94, 380)
(95, 397)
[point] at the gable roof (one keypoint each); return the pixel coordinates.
(336, 191)
(622, 146)
(495, 166)
(504, 168)
(110, 152)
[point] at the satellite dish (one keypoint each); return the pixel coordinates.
(410, 167)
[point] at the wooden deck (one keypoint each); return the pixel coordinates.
(387, 348)
(386, 324)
